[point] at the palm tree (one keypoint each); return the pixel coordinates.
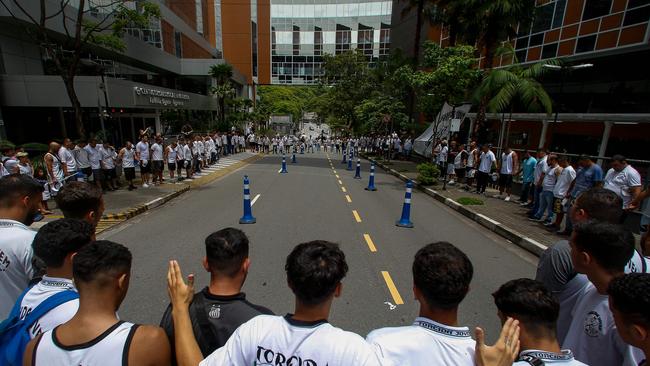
(222, 74)
(515, 86)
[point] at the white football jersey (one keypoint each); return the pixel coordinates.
(548, 358)
(277, 340)
(425, 343)
(592, 334)
(47, 287)
(15, 262)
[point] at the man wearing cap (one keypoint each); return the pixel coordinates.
(24, 166)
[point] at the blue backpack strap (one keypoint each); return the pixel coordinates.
(49, 304)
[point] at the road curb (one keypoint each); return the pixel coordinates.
(140, 209)
(514, 236)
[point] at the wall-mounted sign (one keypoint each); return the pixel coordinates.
(159, 97)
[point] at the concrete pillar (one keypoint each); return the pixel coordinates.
(158, 124)
(472, 122)
(542, 136)
(603, 142)
(133, 136)
(64, 130)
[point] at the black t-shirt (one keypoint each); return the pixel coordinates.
(223, 313)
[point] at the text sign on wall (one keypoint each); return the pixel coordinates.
(151, 96)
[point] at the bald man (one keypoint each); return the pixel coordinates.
(54, 166)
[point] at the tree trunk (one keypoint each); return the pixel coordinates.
(76, 106)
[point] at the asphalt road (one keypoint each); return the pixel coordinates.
(306, 204)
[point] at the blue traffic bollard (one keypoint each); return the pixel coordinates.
(344, 157)
(349, 163)
(405, 221)
(371, 180)
(248, 213)
(357, 174)
(293, 158)
(284, 165)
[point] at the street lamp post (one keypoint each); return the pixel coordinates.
(564, 69)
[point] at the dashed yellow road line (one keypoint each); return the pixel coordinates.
(334, 171)
(356, 216)
(341, 183)
(371, 245)
(337, 176)
(391, 287)
(347, 197)
(344, 190)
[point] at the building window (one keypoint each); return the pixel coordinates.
(254, 46)
(586, 44)
(521, 55)
(178, 44)
(549, 50)
(638, 15)
(543, 17)
(631, 4)
(558, 17)
(596, 9)
(536, 39)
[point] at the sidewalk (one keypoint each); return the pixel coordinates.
(122, 204)
(507, 219)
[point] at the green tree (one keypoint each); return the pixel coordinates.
(89, 24)
(222, 73)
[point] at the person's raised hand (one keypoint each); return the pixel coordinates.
(180, 293)
(505, 350)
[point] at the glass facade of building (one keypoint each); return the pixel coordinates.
(302, 32)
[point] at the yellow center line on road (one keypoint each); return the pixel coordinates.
(341, 183)
(347, 197)
(397, 298)
(371, 245)
(334, 170)
(356, 216)
(344, 190)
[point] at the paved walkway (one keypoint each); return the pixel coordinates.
(507, 213)
(123, 204)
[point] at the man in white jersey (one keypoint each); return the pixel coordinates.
(82, 158)
(20, 203)
(314, 274)
(623, 180)
(562, 192)
(95, 158)
(171, 157)
(54, 168)
(485, 164)
(142, 155)
(555, 268)
(157, 161)
(56, 243)
(127, 157)
(537, 311)
(600, 251)
(94, 335)
(508, 164)
(629, 300)
(67, 157)
(441, 278)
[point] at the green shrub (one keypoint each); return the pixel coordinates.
(428, 174)
(468, 201)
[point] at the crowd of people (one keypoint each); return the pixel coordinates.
(62, 290)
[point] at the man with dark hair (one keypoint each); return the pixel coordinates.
(600, 251)
(221, 307)
(537, 311)
(55, 244)
(527, 170)
(314, 273)
(81, 200)
(507, 165)
(441, 277)
(644, 228)
(20, 204)
(623, 180)
(629, 300)
(94, 335)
